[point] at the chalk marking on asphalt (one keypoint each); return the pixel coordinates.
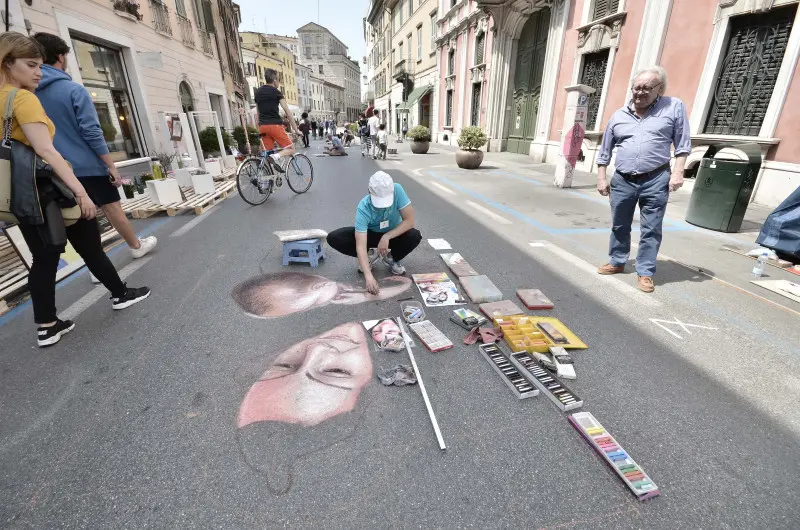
(443, 188)
(488, 213)
(417, 171)
(194, 222)
(683, 325)
(591, 269)
(84, 302)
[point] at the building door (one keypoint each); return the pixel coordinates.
(425, 110)
(528, 82)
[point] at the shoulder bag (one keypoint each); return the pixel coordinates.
(28, 184)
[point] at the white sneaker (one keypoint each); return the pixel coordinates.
(397, 269)
(145, 246)
(372, 256)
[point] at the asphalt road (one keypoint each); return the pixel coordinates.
(131, 421)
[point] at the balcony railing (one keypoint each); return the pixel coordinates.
(403, 69)
(187, 34)
(205, 37)
(160, 17)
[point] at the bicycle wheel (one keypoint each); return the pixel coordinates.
(250, 179)
(299, 173)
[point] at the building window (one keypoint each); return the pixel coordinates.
(448, 116)
(433, 32)
(321, 69)
(475, 113)
(400, 50)
(593, 74)
(480, 45)
(746, 81)
(419, 44)
(410, 8)
(451, 62)
(408, 47)
(603, 8)
(400, 12)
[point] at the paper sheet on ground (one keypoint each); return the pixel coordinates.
(301, 234)
(790, 290)
(437, 289)
(439, 244)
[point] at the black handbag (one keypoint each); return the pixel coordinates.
(29, 186)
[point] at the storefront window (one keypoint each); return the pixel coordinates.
(104, 77)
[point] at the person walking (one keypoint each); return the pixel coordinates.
(374, 123)
(45, 232)
(405, 128)
(642, 133)
(314, 127)
(80, 140)
(304, 128)
(384, 222)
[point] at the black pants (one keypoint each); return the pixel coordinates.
(85, 238)
(344, 240)
(305, 139)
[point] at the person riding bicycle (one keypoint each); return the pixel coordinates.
(270, 124)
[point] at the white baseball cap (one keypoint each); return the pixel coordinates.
(381, 189)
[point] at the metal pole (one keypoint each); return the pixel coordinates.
(8, 17)
(422, 387)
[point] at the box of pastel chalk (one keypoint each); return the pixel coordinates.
(614, 455)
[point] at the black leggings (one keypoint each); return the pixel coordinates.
(85, 238)
(305, 139)
(344, 240)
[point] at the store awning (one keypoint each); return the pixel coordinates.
(415, 95)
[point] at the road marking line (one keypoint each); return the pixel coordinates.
(443, 188)
(194, 222)
(488, 213)
(83, 303)
(416, 171)
(609, 280)
(683, 325)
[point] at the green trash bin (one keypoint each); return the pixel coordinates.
(722, 189)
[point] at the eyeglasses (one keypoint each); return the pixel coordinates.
(644, 89)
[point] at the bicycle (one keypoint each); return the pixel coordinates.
(257, 174)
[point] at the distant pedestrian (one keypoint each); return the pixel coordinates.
(373, 123)
(304, 127)
(642, 133)
(405, 128)
(81, 141)
(383, 141)
(314, 128)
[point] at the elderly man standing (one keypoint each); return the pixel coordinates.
(642, 133)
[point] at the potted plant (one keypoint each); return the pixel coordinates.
(128, 7)
(209, 142)
(470, 141)
(420, 139)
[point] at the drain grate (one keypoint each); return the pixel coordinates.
(519, 385)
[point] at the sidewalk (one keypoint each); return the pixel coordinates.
(579, 218)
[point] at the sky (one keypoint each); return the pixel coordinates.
(342, 17)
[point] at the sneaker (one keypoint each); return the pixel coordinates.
(47, 336)
(145, 246)
(372, 256)
(132, 295)
(93, 278)
(397, 269)
(276, 162)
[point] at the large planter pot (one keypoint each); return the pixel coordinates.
(420, 148)
(469, 158)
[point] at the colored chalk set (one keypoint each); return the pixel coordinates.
(518, 384)
(563, 397)
(615, 456)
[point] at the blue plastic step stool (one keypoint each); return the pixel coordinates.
(303, 251)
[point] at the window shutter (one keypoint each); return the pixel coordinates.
(746, 81)
(603, 8)
(593, 74)
(480, 44)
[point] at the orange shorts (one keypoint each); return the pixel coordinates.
(270, 134)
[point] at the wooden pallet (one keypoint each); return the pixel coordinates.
(144, 207)
(13, 273)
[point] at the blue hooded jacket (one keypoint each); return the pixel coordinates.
(79, 137)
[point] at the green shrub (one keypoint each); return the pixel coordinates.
(472, 137)
(420, 133)
(252, 133)
(208, 140)
(109, 132)
(353, 128)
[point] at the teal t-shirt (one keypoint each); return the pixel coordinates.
(369, 218)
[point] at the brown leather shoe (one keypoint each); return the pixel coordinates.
(646, 284)
(611, 269)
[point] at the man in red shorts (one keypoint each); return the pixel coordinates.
(270, 124)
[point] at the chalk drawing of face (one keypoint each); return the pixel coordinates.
(311, 381)
(284, 293)
(387, 334)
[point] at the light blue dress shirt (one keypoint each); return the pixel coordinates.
(643, 144)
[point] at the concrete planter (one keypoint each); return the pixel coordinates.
(469, 158)
(164, 191)
(420, 148)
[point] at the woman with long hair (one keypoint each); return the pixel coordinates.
(20, 62)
